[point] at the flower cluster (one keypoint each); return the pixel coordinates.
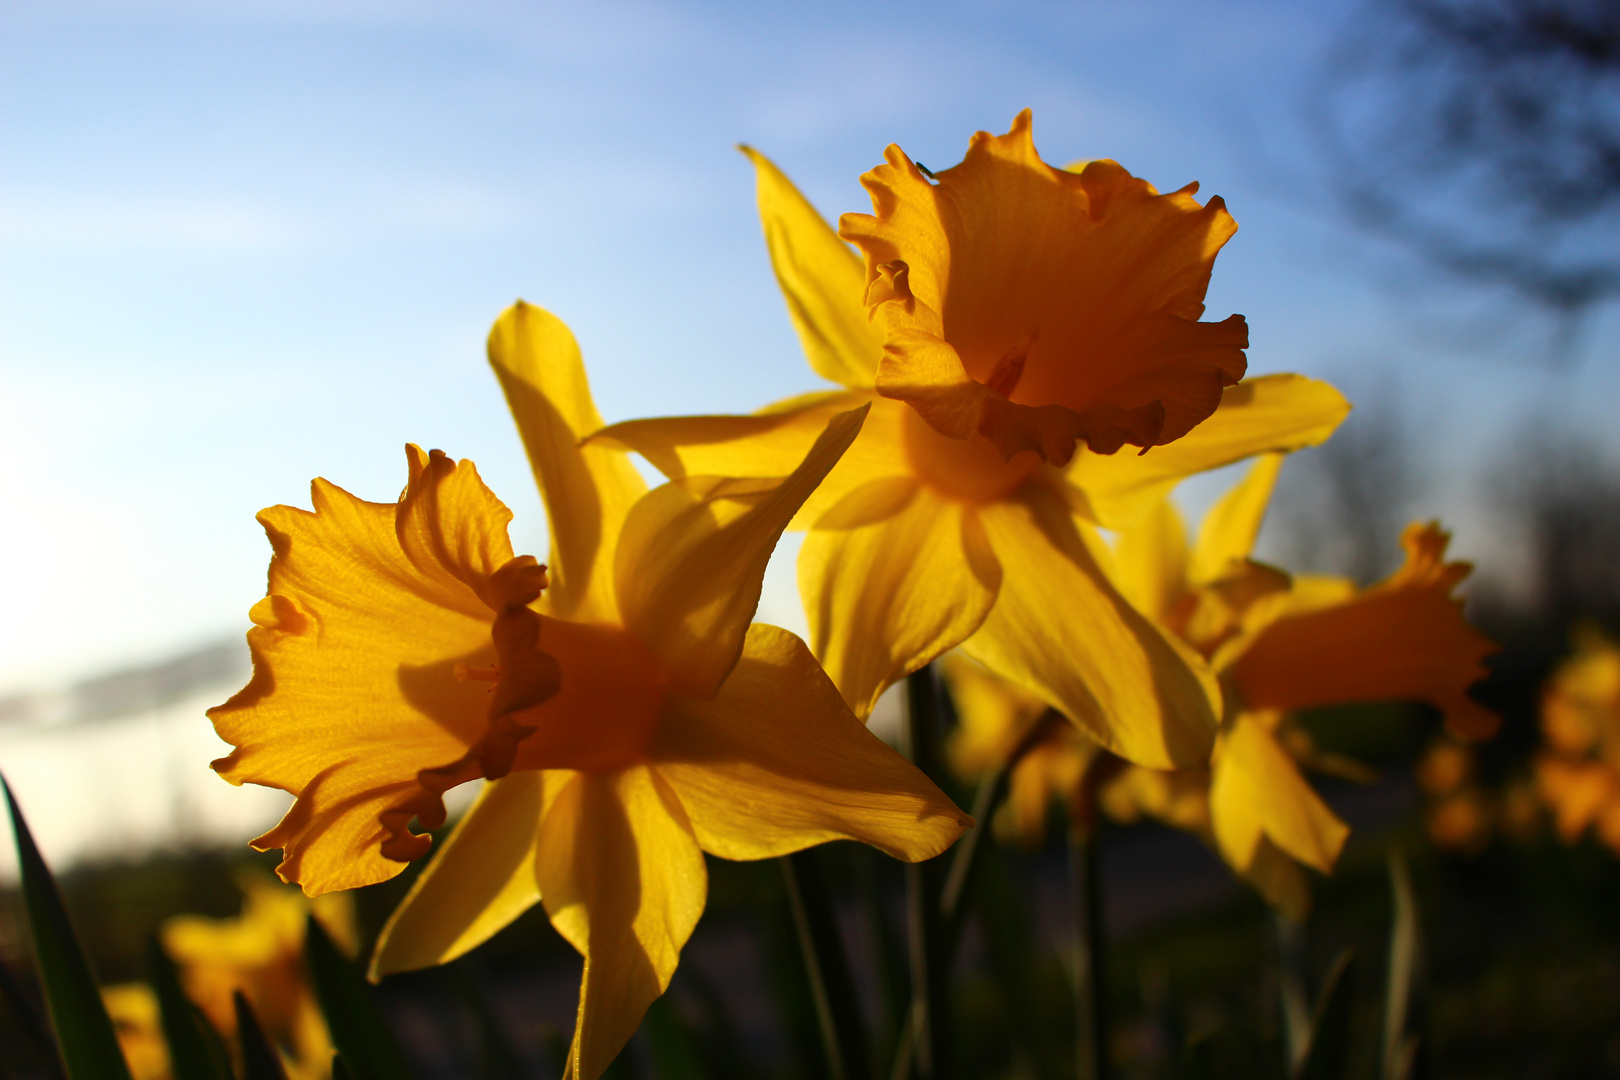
(997, 336)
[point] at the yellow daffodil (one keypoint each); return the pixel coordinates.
(133, 1010)
(261, 953)
(633, 720)
(1282, 643)
(1578, 776)
(920, 540)
(1459, 812)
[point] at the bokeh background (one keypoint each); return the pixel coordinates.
(245, 244)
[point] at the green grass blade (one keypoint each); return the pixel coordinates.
(193, 1055)
(1328, 1057)
(259, 1059)
(33, 1025)
(1403, 961)
(359, 1031)
(84, 1033)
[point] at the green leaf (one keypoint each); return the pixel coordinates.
(1328, 1056)
(259, 1059)
(83, 1030)
(359, 1031)
(195, 1050)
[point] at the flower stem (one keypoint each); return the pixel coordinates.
(1090, 960)
(929, 1018)
(831, 988)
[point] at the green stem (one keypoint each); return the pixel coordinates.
(930, 1022)
(831, 988)
(1090, 958)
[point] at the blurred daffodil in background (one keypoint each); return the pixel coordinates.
(637, 718)
(1004, 310)
(133, 1009)
(1578, 775)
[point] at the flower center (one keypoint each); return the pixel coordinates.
(970, 469)
(611, 697)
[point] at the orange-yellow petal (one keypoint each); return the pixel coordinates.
(624, 882)
(1230, 528)
(479, 881)
(1259, 415)
(371, 610)
(1404, 639)
(588, 490)
(1037, 306)
(771, 442)
(822, 281)
(1150, 561)
(892, 577)
(1061, 629)
(777, 763)
(1258, 789)
(691, 561)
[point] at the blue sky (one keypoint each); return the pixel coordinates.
(246, 244)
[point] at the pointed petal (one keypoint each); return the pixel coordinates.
(481, 879)
(1404, 639)
(1257, 788)
(624, 882)
(587, 490)
(771, 442)
(892, 577)
(371, 607)
(1271, 412)
(1229, 530)
(1062, 630)
(692, 557)
(777, 763)
(822, 280)
(1150, 560)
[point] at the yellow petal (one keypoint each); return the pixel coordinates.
(1035, 306)
(587, 490)
(1150, 560)
(772, 442)
(1257, 788)
(1229, 530)
(822, 280)
(777, 763)
(481, 879)
(1404, 639)
(1268, 413)
(1061, 629)
(1279, 880)
(624, 882)
(371, 608)
(993, 716)
(692, 558)
(892, 577)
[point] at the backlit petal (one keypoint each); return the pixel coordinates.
(587, 490)
(1036, 306)
(1257, 788)
(1150, 560)
(692, 558)
(1404, 639)
(624, 882)
(481, 879)
(822, 281)
(1231, 526)
(777, 763)
(1061, 629)
(772, 442)
(892, 577)
(354, 697)
(1259, 415)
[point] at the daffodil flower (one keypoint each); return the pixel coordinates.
(1281, 643)
(919, 540)
(1578, 774)
(629, 717)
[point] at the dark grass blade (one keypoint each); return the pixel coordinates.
(1329, 1052)
(84, 1033)
(259, 1059)
(195, 1050)
(831, 986)
(359, 1031)
(33, 1026)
